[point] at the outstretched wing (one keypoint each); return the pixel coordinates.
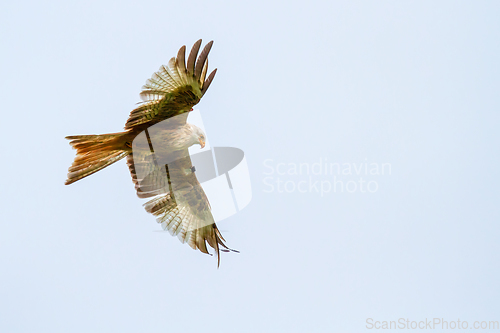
(173, 89)
(178, 202)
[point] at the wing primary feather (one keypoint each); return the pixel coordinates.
(201, 60)
(218, 253)
(181, 58)
(181, 63)
(204, 73)
(207, 82)
(192, 57)
(200, 242)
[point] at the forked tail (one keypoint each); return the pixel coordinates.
(95, 152)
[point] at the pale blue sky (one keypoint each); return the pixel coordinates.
(410, 83)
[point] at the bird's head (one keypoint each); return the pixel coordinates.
(197, 136)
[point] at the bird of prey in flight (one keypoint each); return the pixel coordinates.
(163, 173)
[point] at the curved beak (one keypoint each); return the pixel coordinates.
(202, 143)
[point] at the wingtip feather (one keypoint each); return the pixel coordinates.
(192, 57)
(201, 60)
(207, 82)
